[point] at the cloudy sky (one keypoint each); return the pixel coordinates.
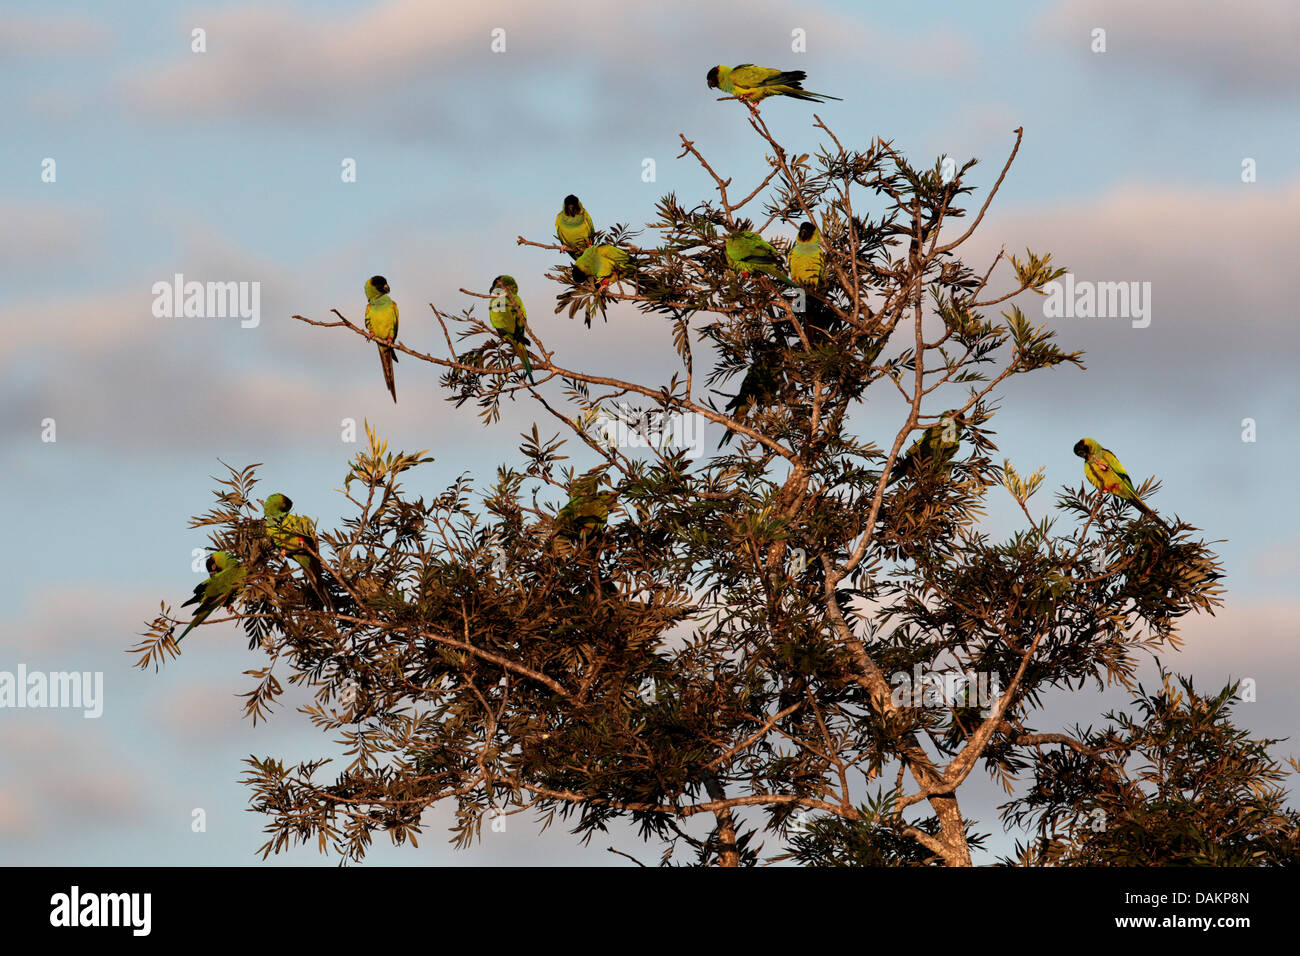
(225, 166)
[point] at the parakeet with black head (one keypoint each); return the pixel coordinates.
(933, 452)
(756, 83)
(294, 536)
(758, 388)
(749, 252)
(605, 262)
(1103, 470)
(806, 256)
(507, 314)
(807, 268)
(381, 321)
(573, 226)
(587, 510)
(226, 577)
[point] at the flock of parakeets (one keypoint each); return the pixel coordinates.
(292, 536)
(588, 508)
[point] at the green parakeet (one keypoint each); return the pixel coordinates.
(605, 262)
(381, 321)
(295, 537)
(573, 226)
(757, 388)
(225, 577)
(587, 510)
(806, 256)
(749, 252)
(1103, 470)
(933, 452)
(507, 315)
(756, 83)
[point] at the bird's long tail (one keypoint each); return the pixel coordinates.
(199, 618)
(819, 314)
(386, 359)
(1143, 507)
(522, 351)
(812, 97)
(904, 467)
(316, 577)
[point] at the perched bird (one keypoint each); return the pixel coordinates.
(933, 452)
(754, 83)
(806, 256)
(1102, 468)
(573, 226)
(807, 269)
(749, 252)
(381, 321)
(757, 388)
(605, 262)
(587, 510)
(507, 315)
(295, 538)
(225, 577)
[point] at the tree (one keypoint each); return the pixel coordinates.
(736, 644)
(1203, 794)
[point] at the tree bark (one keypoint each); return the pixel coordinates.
(728, 853)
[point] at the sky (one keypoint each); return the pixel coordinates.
(1169, 158)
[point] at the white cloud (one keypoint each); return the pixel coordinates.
(53, 236)
(38, 36)
(409, 63)
(1223, 50)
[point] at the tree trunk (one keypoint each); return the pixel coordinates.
(728, 854)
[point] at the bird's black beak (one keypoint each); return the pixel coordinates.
(1081, 449)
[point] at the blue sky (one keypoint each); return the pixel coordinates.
(225, 165)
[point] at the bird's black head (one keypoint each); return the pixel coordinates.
(1081, 448)
(713, 78)
(806, 231)
(579, 275)
(571, 205)
(212, 564)
(380, 284)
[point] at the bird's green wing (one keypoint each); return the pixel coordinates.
(501, 315)
(1116, 468)
(590, 261)
(749, 76)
